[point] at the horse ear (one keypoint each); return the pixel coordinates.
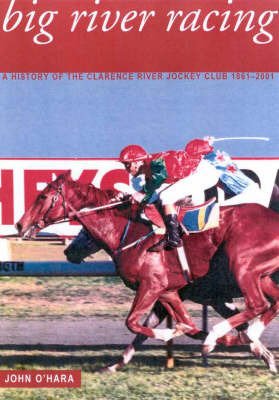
(68, 174)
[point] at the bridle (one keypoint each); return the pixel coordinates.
(70, 213)
(55, 197)
(59, 192)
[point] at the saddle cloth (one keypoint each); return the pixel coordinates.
(200, 218)
(194, 219)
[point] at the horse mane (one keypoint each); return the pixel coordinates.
(87, 192)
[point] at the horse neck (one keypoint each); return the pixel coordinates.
(228, 218)
(107, 228)
(105, 225)
(83, 195)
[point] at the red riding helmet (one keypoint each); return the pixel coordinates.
(198, 148)
(133, 152)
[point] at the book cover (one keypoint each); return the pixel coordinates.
(80, 81)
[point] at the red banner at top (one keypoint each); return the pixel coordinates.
(132, 35)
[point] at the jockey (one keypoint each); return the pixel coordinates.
(208, 168)
(153, 175)
(239, 187)
(173, 175)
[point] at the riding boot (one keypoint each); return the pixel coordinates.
(172, 238)
(173, 234)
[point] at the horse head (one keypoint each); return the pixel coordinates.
(49, 207)
(60, 200)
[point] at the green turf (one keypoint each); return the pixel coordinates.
(230, 376)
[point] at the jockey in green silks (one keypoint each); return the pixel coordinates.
(173, 175)
(153, 175)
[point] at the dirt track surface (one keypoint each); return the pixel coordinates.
(90, 332)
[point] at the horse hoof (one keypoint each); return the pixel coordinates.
(273, 370)
(206, 349)
(260, 351)
(270, 362)
(111, 369)
(105, 370)
(200, 335)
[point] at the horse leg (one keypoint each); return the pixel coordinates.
(257, 327)
(155, 318)
(259, 304)
(224, 327)
(251, 287)
(147, 293)
(241, 337)
(254, 332)
(175, 307)
(227, 310)
(271, 290)
(257, 348)
(157, 315)
(256, 304)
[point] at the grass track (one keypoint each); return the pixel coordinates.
(230, 376)
(24, 297)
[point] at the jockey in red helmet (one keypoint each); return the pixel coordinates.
(198, 148)
(173, 175)
(152, 174)
(132, 152)
(239, 187)
(133, 157)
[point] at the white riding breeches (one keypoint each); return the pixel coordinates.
(204, 177)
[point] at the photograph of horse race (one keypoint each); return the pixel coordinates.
(136, 223)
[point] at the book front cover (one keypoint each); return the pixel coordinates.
(81, 81)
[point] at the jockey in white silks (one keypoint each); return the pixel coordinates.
(171, 176)
(214, 168)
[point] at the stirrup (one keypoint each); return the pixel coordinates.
(159, 246)
(173, 243)
(164, 244)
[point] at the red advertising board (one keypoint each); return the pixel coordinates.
(23, 179)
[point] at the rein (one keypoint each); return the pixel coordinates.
(78, 215)
(120, 249)
(86, 211)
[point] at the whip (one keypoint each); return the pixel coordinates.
(262, 138)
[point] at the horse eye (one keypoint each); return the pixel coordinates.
(42, 197)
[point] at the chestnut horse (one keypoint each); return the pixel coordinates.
(250, 234)
(216, 289)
